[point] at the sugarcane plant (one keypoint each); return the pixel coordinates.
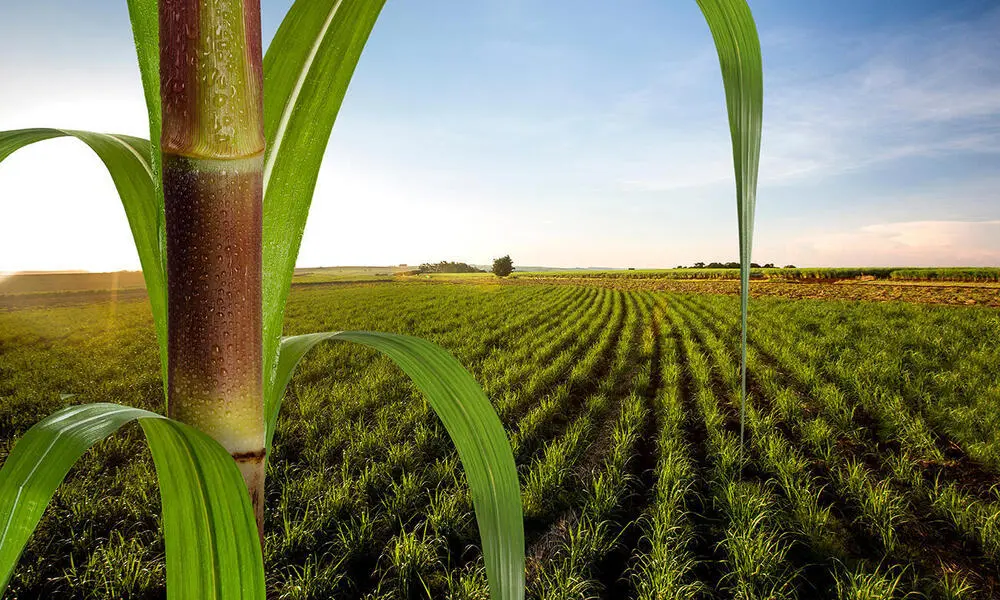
(217, 201)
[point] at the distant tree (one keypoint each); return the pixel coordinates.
(448, 267)
(503, 266)
(719, 265)
(790, 267)
(726, 265)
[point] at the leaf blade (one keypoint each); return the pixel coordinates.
(129, 162)
(738, 46)
(473, 426)
(144, 17)
(41, 459)
(306, 72)
(211, 511)
(27, 486)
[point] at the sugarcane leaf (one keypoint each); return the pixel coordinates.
(471, 423)
(128, 160)
(735, 34)
(306, 72)
(209, 527)
(144, 16)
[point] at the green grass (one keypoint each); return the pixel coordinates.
(871, 467)
(19, 283)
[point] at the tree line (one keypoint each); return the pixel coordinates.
(448, 267)
(502, 267)
(731, 265)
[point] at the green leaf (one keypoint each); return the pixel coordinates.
(128, 161)
(144, 15)
(210, 533)
(736, 41)
(471, 422)
(306, 71)
(209, 528)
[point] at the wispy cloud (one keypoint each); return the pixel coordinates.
(929, 89)
(912, 243)
(571, 133)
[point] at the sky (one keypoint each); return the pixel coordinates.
(565, 133)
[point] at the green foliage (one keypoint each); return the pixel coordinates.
(306, 73)
(448, 267)
(735, 34)
(503, 266)
(878, 584)
(359, 463)
(789, 272)
(307, 69)
(948, 274)
(130, 163)
(209, 529)
(472, 426)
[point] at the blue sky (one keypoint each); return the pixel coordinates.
(569, 134)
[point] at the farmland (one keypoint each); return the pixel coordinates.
(980, 274)
(870, 468)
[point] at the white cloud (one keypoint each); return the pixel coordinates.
(925, 90)
(910, 243)
(572, 171)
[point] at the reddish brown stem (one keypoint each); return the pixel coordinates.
(212, 143)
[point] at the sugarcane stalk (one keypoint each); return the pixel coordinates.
(211, 88)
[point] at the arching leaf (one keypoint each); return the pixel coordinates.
(128, 160)
(471, 423)
(209, 527)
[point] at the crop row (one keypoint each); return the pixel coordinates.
(871, 477)
(868, 467)
(970, 274)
